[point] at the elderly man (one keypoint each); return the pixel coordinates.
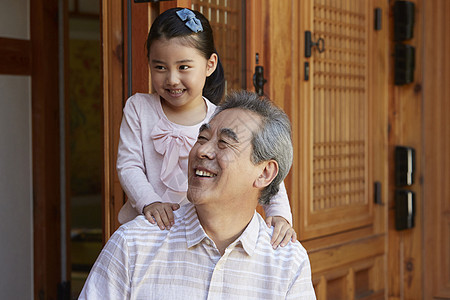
(219, 247)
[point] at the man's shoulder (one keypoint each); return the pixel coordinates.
(293, 250)
(140, 225)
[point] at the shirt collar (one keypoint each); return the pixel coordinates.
(249, 237)
(195, 233)
(194, 230)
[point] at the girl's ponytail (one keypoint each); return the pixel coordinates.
(214, 88)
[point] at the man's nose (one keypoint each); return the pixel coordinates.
(206, 151)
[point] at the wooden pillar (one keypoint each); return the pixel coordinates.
(46, 147)
(405, 266)
(113, 99)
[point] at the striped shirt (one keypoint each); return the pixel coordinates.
(140, 261)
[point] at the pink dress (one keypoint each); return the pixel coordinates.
(153, 156)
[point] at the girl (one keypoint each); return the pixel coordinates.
(158, 130)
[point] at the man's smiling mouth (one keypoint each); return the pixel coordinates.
(201, 173)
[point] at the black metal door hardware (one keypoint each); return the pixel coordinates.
(405, 161)
(258, 78)
(405, 209)
(309, 43)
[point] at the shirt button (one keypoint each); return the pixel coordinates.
(208, 242)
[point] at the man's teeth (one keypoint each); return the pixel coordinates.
(204, 173)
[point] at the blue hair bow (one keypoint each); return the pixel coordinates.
(192, 23)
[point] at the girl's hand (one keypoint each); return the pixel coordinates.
(282, 232)
(161, 214)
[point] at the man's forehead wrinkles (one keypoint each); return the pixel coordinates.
(243, 124)
(239, 123)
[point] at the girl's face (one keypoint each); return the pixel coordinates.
(179, 73)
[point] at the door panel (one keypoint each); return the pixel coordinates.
(338, 139)
(342, 147)
(226, 21)
(436, 139)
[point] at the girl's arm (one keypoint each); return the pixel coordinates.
(279, 205)
(278, 215)
(130, 161)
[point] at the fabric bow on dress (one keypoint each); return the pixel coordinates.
(173, 145)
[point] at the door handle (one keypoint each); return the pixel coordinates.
(309, 43)
(258, 78)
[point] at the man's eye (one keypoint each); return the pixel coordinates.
(184, 67)
(160, 68)
(201, 138)
(223, 143)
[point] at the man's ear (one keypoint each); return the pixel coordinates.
(267, 175)
(211, 64)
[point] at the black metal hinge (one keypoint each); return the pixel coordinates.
(377, 193)
(377, 18)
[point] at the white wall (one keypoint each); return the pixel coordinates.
(16, 230)
(15, 19)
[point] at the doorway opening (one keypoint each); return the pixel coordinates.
(83, 139)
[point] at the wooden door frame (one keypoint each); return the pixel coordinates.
(405, 250)
(113, 97)
(46, 147)
(436, 164)
(116, 89)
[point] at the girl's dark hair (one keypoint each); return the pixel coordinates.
(168, 25)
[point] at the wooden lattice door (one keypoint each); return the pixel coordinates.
(338, 144)
(343, 137)
(226, 19)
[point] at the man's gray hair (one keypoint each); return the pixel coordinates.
(272, 141)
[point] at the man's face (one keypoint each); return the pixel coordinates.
(220, 167)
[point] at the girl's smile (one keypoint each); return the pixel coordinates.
(178, 74)
(176, 93)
